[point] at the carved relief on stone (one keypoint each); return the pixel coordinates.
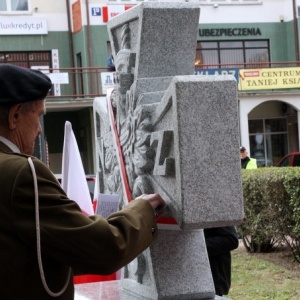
(142, 148)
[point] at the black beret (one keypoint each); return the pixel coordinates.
(19, 85)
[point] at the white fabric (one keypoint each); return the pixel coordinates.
(73, 176)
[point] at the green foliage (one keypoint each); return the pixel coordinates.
(272, 209)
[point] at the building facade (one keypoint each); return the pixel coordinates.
(69, 40)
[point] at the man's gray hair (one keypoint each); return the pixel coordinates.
(4, 111)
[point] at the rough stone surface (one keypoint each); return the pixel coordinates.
(179, 137)
(108, 290)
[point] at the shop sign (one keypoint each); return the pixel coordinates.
(55, 65)
(76, 15)
(229, 32)
(107, 81)
(96, 11)
(269, 79)
(59, 78)
(23, 26)
(111, 11)
(217, 72)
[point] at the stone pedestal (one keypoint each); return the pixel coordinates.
(108, 290)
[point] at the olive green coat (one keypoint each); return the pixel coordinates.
(68, 238)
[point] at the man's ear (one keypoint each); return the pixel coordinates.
(14, 115)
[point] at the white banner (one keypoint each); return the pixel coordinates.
(55, 65)
(59, 78)
(23, 26)
(107, 81)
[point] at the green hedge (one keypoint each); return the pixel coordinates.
(272, 209)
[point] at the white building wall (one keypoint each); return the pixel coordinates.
(55, 11)
(212, 12)
(228, 11)
(266, 12)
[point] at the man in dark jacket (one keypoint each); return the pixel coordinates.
(219, 242)
(110, 64)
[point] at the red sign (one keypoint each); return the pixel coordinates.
(76, 13)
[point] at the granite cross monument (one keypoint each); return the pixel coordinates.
(167, 131)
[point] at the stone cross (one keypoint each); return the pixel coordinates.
(167, 131)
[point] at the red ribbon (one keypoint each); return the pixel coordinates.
(120, 154)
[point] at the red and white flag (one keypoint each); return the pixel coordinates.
(73, 179)
(96, 192)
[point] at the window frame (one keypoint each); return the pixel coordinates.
(9, 10)
(219, 48)
(26, 58)
(266, 136)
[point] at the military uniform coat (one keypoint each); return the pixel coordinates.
(91, 245)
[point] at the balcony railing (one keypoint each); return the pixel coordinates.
(253, 65)
(87, 83)
(76, 83)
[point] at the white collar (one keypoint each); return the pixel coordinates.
(9, 144)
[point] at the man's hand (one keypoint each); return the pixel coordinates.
(155, 200)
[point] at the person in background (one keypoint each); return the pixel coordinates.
(246, 161)
(220, 241)
(110, 64)
(44, 236)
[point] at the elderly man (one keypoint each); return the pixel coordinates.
(43, 234)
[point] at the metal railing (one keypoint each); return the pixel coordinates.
(86, 83)
(76, 83)
(252, 65)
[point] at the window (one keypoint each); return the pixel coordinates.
(232, 54)
(40, 59)
(13, 6)
(268, 140)
(26, 59)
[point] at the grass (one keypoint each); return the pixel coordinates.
(254, 278)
